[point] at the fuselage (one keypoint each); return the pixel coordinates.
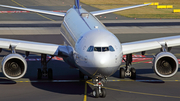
(97, 52)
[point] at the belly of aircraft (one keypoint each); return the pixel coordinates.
(99, 71)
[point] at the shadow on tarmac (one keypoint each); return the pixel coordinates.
(75, 88)
(6, 81)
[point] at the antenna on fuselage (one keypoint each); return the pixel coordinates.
(77, 4)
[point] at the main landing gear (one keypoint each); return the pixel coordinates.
(44, 72)
(98, 91)
(128, 71)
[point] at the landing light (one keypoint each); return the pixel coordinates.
(102, 61)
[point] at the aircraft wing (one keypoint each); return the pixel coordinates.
(37, 47)
(144, 45)
(36, 10)
(116, 9)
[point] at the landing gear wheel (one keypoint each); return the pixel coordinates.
(81, 75)
(133, 73)
(103, 92)
(96, 92)
(50, 74)
(39, 74)
(122, 73)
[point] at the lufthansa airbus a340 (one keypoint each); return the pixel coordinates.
(94, 50)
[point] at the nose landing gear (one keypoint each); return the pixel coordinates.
(99, 91)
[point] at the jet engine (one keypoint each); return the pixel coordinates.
(14, 66)
(165, 64)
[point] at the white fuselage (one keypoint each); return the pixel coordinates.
(97, 52)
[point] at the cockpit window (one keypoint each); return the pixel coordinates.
(100, 49)
(111, 48)
(105, 49)
(90, 49)
(97, 49)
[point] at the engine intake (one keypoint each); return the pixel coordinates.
(165, 64)
(14, 66)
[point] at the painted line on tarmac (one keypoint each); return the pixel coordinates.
(142, 59)
(85, 92)
(33, 81)
(2, 12)
(140, 93)
(48, 57)
(37, 81)
(36, 13)
(88, 82)
(143, 80)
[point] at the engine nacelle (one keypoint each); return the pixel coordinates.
(14, 66)
(165, 64)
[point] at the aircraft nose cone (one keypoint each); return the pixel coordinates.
(101, 60)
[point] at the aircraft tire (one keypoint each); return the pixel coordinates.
(122, 73)
(96, 93)
(103, 91)
(133, 73)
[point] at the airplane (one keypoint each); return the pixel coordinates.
(94, 50)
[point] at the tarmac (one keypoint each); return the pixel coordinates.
(66, 85)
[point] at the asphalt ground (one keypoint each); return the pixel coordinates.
(45, 5)
(66, 85)
(143, 24)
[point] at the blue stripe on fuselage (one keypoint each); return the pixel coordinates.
(77, 4)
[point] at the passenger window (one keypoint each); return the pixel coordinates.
(90, 49)
(111, 48)
(105, 49)
(97, 49)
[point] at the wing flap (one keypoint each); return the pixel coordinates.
(144, 45)
(116, 9)
(173, 42)
(36, 10)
